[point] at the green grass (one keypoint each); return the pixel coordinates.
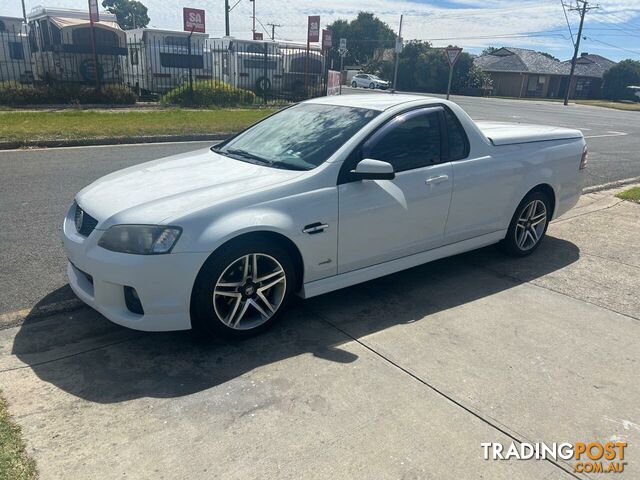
(87, 124)
(631, 106)
(14, 462)
(633, 195)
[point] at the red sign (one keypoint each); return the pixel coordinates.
(258, 36)
(193, 20)
(94, 14)
(453, 54)
(313, 30)
(327, 41)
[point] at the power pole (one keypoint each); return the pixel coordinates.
(226, 17)
(395, 69)
(583, 11)
(253, 3)
(24, 12)
(273, 29)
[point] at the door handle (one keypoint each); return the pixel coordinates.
(436, 180)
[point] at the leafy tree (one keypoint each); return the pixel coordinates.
(364, 35)
(616, 80)
(129, 13)
(489, 50)
(548, 55)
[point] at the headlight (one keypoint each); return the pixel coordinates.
(140, 239)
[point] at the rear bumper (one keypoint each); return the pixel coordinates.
(162, 282)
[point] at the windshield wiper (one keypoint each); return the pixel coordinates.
(244, 154)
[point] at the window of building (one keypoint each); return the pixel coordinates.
(16, 52)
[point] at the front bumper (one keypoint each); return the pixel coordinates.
(163, 282)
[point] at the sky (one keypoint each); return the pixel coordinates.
(612, 30)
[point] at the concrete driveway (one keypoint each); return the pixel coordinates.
(401, 377)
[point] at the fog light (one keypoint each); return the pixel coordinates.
(132, 300)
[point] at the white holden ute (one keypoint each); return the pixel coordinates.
(319, 196)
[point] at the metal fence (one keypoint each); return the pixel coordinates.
(153, 62)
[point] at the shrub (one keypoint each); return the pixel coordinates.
(208, 94)
(18, 94)
(616, 80)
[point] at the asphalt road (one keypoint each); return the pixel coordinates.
(38, 186)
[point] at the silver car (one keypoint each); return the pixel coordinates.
(367, 80)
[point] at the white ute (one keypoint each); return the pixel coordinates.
(319, 196)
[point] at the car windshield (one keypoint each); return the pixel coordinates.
(375, 77)
(297, 138)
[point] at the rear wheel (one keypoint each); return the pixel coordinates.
(372, 85)
(242, 289)
(528, 225)
(354, 84)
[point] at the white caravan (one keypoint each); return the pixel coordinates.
(15, 54)
(62, 50)
(159, 60)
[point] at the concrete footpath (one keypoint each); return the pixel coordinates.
(401, 377)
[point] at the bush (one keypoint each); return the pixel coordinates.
(208, 94)
(616, 80)
(18, 94)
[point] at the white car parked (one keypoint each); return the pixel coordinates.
(368, 81)
(319, 196)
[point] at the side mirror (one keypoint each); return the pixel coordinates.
(370, 169)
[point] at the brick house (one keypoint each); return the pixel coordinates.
(520, 72)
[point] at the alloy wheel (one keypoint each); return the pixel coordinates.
(249, 291)
(531, 225)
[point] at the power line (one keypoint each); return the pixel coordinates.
(566, 17)
(614, 46)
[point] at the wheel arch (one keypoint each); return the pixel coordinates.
(547, 190)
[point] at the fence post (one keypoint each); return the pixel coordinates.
(190, 64)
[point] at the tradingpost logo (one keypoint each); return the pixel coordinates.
(585, 457)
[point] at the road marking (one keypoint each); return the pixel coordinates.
(610, 133)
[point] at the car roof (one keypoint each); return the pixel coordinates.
(373, 101)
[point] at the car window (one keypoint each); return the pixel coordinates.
(458, 142)
(413, 143)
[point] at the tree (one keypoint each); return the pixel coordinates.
(616, 80)
(548, 55)
(364, 35)
(129, 13)
(489, 51)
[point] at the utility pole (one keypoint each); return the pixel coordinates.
(583, 12)
(273, 29)
(24, 12)
(395, 69)
(226, 17)
(253, 3)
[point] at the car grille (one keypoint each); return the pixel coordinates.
(85, 223)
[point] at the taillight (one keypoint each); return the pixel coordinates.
(583, 159)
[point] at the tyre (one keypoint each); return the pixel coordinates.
(528, 225)
(372, 85)
(242, 289)
(354, 84)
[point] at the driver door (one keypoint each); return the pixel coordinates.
(382, 220)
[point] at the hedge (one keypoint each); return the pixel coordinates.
(18, 94)
(209, 94)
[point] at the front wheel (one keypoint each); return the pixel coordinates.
(528, 225)
(242, 289)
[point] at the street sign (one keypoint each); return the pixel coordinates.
(258, 36)
(327, 40)
(453, 54)
(343, 44)
(313, 30)
(94, 14)
(193, 20)
(398, 44)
